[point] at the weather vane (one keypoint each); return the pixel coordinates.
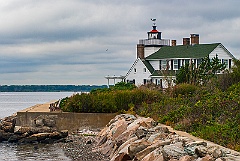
(154, 21)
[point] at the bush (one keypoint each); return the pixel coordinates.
(184, 89)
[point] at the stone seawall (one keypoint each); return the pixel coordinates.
(66, 120)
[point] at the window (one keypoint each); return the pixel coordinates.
(179, 63)
(199, 61)
(187, 61)
(144, 81)
(225, 61)
(164, 64)
(135, 70)
(144, 70)
(175, 64)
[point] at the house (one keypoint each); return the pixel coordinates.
(158, 62)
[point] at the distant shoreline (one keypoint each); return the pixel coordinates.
(49, 88)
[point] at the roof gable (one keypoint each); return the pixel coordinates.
(148, 66)
(144, 62)
(183, 51)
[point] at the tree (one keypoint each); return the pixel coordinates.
(201, 74)
(236, 71)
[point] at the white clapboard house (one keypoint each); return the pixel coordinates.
(158, 62)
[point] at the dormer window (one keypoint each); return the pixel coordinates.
(144, 70)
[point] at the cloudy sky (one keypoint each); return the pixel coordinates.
(81, 41)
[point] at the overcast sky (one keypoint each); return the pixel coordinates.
(81, 41)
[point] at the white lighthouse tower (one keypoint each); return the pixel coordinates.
(146, 47)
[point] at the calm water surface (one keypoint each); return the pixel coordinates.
(10, 103)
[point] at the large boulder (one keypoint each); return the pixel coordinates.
(137, 146)
(157, 144)
(155, 155)
(4, 136)
(173, 151)
(15, 138)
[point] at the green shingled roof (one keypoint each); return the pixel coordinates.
(183, 51)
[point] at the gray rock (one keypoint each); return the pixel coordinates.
(137, 146)
(173, 151)
(47, 141)
(30, 139)
(161, 129)
(5, 135)
(14, 138)
(64, 133)
(141, 132)
(217, 153)
(201, 151)
(197, 147)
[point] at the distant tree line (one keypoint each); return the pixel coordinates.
(49, 88)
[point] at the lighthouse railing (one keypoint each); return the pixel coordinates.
(162, 42)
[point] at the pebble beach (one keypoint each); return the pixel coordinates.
(80, 146)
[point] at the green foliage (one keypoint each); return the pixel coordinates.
(230, 77)
(123, 86)
(187, 74)
(208, 69)
(184, 89)
(118, 86)
(202, 74)
(109, 101)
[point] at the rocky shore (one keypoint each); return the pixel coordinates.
(79, 146)
(125, 138)
(128, 137)
(133, 138)
(43, 131)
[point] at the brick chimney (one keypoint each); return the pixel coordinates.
(140, 51)
(194, 39)
(174, 42)
(186, 41)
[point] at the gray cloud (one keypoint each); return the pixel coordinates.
(79, 42)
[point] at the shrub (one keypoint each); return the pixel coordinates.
(184, 89)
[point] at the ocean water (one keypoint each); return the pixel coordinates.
(10, 103)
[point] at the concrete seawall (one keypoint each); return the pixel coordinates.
(64, 120)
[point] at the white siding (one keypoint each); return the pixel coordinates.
(140, 73)
(150, 50)
(222, 54)
(155, 64)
